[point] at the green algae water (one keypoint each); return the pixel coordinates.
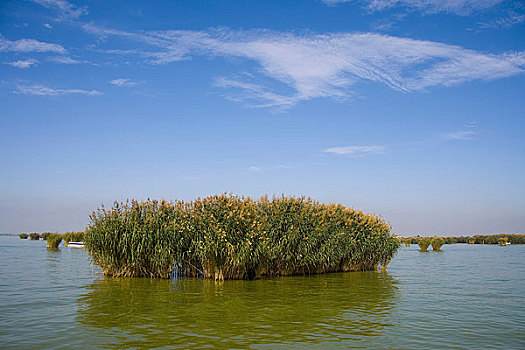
(466, 297)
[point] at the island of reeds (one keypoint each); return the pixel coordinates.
(231, 237)
(501, 239)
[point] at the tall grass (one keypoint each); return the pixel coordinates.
(53, 240)
(23, 236)
(34, 236)
(437, 243)
(423, 244)
(73, 237)
(503, 241)
(231, 237)
(477, 239)
(44, 235)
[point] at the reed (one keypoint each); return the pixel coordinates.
(73, 237)
(44, 235)
(53, 240)
(437, 243)
(503, 241)
(423, 244)
(23, 236)
(34, 236)
(232, 237)
(477, 239)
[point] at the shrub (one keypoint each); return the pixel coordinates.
(437, 243)
(23, 235)
(53, 240)
(471, 240)
(44, 235)
(503, 241)
(73, 237)
(423, 243)
(450, 240)
(231, 237)
(34, 236)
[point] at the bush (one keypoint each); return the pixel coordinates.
(437, 243)
(503, 241)
(471, 240)
(44, 235)
(23, 235)
(34, 236)
(423, 243)
(230, 237)
(73, 237)
(53, 240)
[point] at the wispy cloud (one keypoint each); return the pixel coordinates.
(47, 25)
(507, 21)
(253, 95)
(23, 63)
(64, 8)
(458, 7)
(322, 65)
(41, 90)
(254, 169)
(461, 135)
(123, 82)
(355, 150)
(65, 60)
(29, 45)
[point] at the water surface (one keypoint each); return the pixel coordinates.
(468, 296)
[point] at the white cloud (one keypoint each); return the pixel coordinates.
(508, 21)
(123, 82)
(29, 45)
(322, 65)
(48, 26)
(65, 60)
(23, 63)
(254, 169)
(64, 7)
(461, 135)
(355, 150)
(458, 7)
(41, 90)
(253, 95)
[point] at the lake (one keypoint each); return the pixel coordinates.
(466, 297)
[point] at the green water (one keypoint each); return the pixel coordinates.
(467, 297)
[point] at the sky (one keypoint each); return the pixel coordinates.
(413, 110)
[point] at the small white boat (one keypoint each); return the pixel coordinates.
(76, 244)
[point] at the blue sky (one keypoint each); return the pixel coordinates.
(410, 109)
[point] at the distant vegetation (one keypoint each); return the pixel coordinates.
(423, 244)
(44, 235)
(230, 237)
(73, 237)
(53, 240)
(500, 239)
(34, 236)
(437, 243)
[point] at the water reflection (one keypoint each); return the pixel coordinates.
(333, 308)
